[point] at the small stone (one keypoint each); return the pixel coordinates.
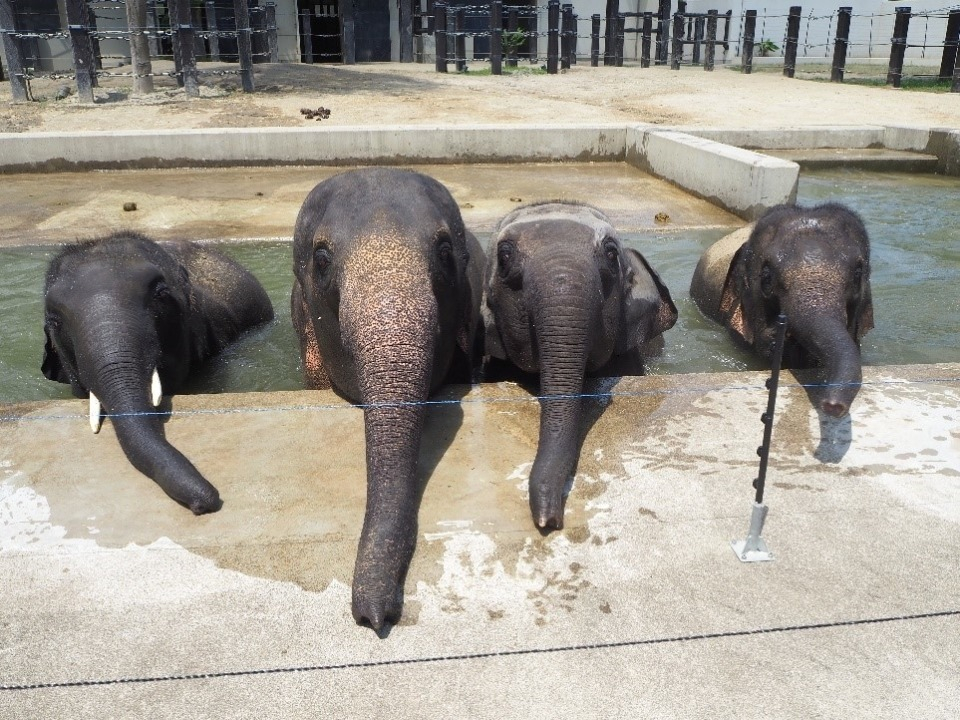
(516, 199)
(661, 217)
(63, 92)
(129, 206)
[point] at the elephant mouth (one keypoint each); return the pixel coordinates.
(96, 409)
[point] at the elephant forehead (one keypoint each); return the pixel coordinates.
(387, 252)
(548, 226)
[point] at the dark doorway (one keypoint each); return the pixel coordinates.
(372, 19)
(323, 17)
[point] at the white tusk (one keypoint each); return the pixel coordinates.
(95, 419)
(156, 393)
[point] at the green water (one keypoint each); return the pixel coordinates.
(915, 258)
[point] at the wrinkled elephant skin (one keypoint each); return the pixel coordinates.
(385, 303)
(126, 316)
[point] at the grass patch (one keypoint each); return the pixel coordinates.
(522, 69)
(915, 79)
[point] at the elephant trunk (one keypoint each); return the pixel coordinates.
(121, 380)
(825, 336)
(394, 373)
(563, 316)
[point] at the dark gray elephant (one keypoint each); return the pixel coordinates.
(563, 298)
(126, 316)
(813, 265)
(385, 302)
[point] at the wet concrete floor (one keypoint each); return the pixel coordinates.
(249, 202)
(640, 601)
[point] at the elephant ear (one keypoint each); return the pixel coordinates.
(51, 367)
(735, 294)
(863, 322)
(471, 300)
(648, 308)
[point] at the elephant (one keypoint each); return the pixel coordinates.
(562, 298)
(811, 264)
(127, 318)
(385, 303)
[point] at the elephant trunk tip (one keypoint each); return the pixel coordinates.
(547, 512)
(835, 408)
(206, 502)
(376, 618)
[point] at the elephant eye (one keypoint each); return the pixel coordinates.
(53, 322)
(858, 273)
(161, 290)
(766, 280)
(506, 252)
(445, 250)
(322, 259)
(611, 251)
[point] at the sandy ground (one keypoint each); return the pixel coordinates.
(416, 94)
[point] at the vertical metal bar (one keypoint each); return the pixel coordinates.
(496, 37)
(272, 46)
(244, 45)
(793, 36)
(898, 46)
(13, 53)
(767, 418)
(306, 36)
(348, 33)
(213, 40)
(645, 40)
(460, 43)
(82, 52)
(406, 31)
(749, 36)
(711, 44)
(553, 35)
(840, 44)
(440, 35)
(594, 40)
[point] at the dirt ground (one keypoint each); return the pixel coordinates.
(377, 94)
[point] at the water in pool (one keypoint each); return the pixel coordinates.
(915, 259)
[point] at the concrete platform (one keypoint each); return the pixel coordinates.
(118, 603)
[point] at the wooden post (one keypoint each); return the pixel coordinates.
(244, 45)
(950, 43)
(348, 33)
(460, 41)
(213, 41)
(272, 46)
(440, 34)
(13, 53)
(406, 31)
(139, 47)
(697, 40)
(711, 48)
(94, 44)
(749, 35)
(955, 87)
(82, 51)
(618, 48)
(496, 37)
(188, 57)
(553, 35)
(677, 42)
(840, 44)
(594, 40)
(566, 16)
(898, 46)
(610, 33)
(793, 36)
(306, 36)
(663, 32)
(645, 38)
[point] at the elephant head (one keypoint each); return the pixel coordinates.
(813, 265)
(385, 300)
(562, 298)
(125, 317)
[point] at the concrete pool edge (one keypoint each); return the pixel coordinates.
(730, 169)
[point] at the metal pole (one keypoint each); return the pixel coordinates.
(440, 35)
(594, 40)
(951, 41)
(496, 37)
(898, 46)
(645, 40)
(553, 35)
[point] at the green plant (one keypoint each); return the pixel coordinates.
(765, 47)
(513, 40)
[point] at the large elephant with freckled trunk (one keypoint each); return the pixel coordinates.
(125, 319)
(385, 303)
(564, 298)
(813, 265)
